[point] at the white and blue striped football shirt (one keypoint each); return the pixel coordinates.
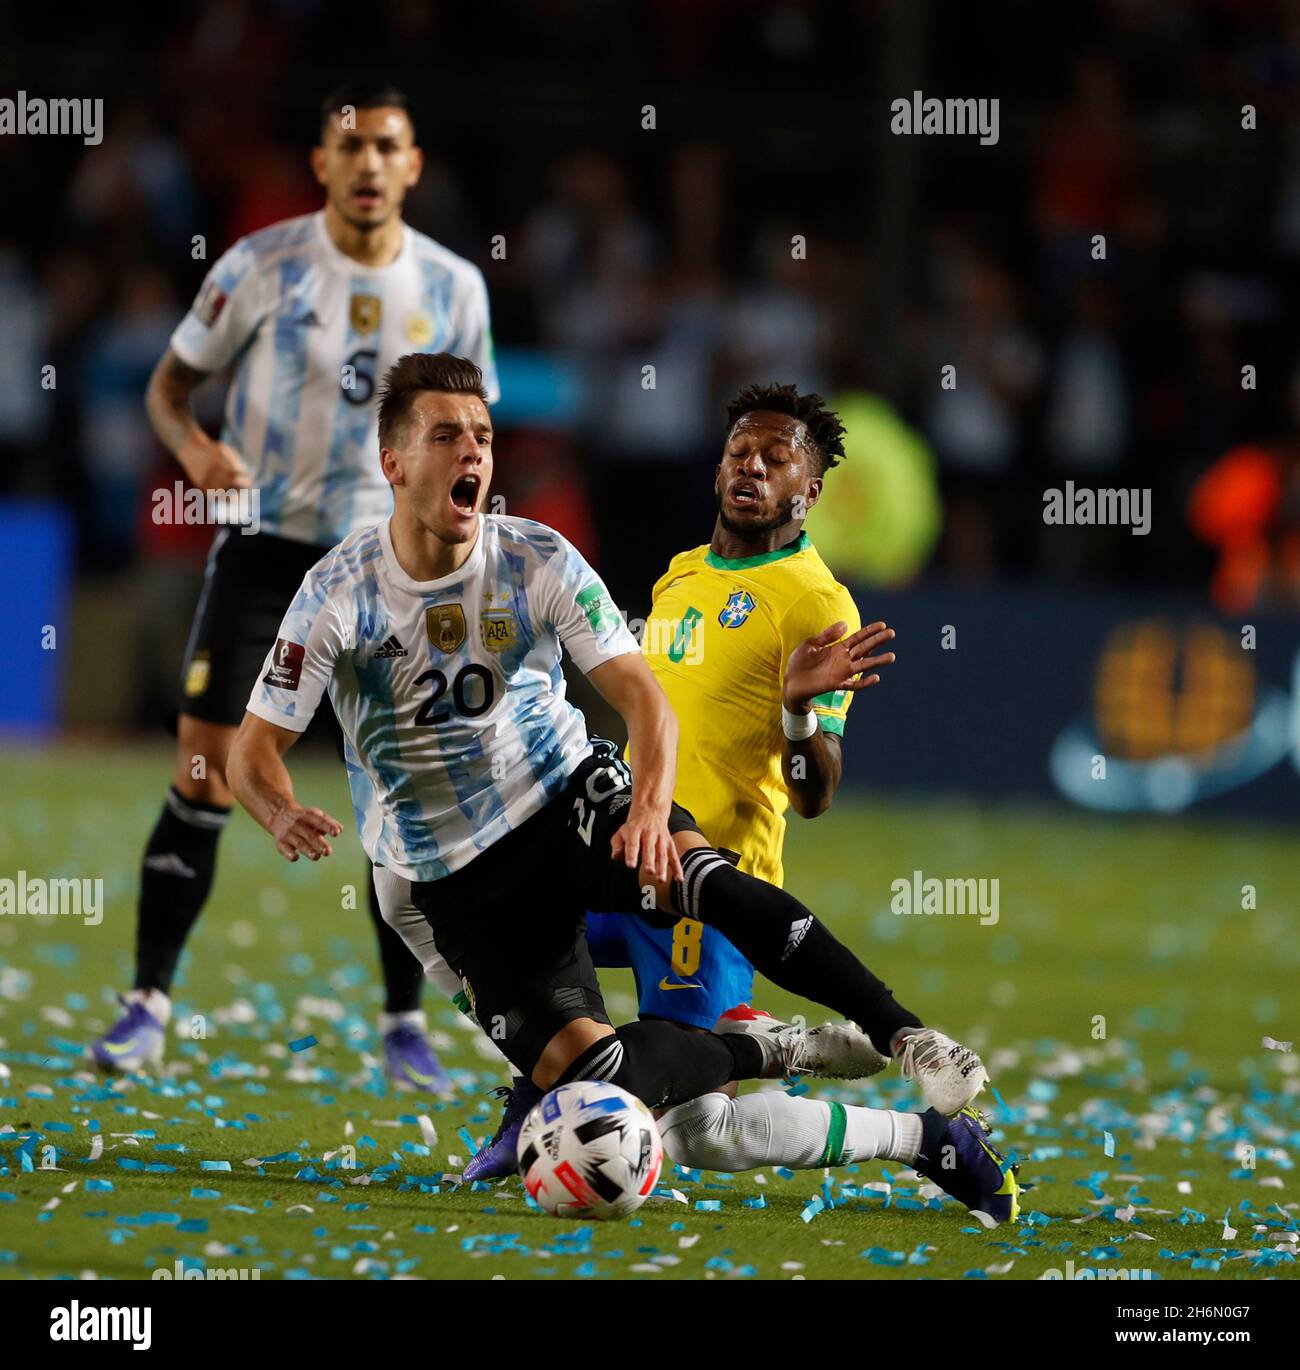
(449, 692)
(310, 333)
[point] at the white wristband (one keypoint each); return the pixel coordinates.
(798, 727)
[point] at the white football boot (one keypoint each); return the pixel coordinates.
(949, 1074)
(834, 1051)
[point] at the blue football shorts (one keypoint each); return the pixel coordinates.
(687, 973)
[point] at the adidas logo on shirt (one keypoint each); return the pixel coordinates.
(390, 648)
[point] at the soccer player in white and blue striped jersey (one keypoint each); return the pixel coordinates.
(438, 637)
(306, 315)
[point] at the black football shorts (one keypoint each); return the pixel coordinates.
(249, 584)
(512, 923)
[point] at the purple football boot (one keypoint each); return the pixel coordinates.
(134, 1042)
(498, 1157)
(411, 1063)
(955, 1156)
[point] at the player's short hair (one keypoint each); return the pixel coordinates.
(417, 372)
(362, 95)
(823, 425)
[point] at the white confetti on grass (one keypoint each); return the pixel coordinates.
(428, 1133)
(1272, 1044)
(96, 1146)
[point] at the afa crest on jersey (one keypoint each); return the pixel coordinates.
(500, 630)
(740, 604)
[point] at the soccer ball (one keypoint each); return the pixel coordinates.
(590, 1150)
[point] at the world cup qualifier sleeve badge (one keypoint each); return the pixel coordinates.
(445, 624)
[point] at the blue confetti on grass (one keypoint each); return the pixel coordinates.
(302, 1044)
(812, 1209)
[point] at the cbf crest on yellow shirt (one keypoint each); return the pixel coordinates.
(719, 634)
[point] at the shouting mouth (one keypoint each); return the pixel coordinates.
(368, 197)
(464, 494)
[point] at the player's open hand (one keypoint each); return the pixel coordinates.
(829, 661)
(645, 843)
(303, 832)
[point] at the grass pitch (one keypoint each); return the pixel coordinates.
(1120, 1002)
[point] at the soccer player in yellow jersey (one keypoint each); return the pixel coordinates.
(740, 631)
(758, 649)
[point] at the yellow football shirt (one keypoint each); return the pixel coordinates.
(718, 637)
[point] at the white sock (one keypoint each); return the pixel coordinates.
(411, 1018)
(154, 1001)
(714, 1132)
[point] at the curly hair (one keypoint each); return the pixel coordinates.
(824, 427)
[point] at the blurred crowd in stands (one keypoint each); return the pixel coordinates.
(676, 247)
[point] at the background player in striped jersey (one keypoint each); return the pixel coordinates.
(309, 313)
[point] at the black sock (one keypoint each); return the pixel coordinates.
(179, 863)
(787, 944)
(403, 973)
(664, 1064)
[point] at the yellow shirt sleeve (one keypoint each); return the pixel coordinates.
(809, 615)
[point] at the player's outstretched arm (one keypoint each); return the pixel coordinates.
(259, 779)
(629, 686)
(211, 465)
(811, 762)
